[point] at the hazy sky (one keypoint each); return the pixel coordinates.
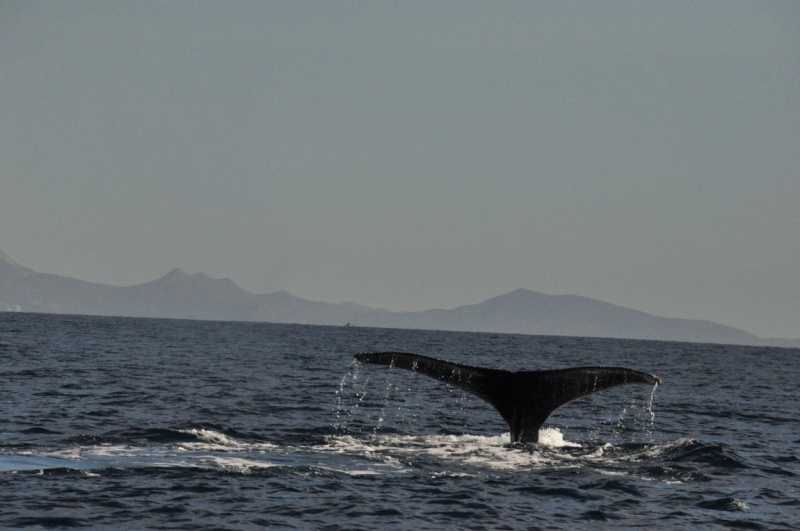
(412, 155)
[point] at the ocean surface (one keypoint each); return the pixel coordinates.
(110, 423)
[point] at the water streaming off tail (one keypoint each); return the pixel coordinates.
(399, 402)
(404, 403)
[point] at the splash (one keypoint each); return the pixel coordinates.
(553, 438)
(346, 409)
(636, 419)
(213, 438)
(470, 453)
(649, 407)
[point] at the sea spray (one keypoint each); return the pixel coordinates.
(632, 420)
(349, 396)
(649, 409)
(393, 404)
(387, 392)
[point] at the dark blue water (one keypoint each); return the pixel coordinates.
(141, 423)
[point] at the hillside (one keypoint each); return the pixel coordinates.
(180, 295)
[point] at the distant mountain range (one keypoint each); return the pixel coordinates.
(178, 295)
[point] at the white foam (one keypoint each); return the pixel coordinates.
(553, 438)
(474, 450)
(122, 457)
(213, 437)
(739, 505)
(467, 454)
(212, 450)
(211, 440)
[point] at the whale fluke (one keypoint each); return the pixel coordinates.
(523, 398)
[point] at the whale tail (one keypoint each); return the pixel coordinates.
(524, 398)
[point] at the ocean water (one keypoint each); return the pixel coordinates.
(144, 423)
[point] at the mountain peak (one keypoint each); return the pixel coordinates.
(10, 266)
(179, 275)
(7, 259)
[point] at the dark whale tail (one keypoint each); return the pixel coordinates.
(524, 398)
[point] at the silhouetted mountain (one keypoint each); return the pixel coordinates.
(528, 312)
(182, 296)
(176, 295)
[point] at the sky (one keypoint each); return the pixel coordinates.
(413, 155)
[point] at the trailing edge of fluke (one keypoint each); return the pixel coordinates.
(523, 398)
